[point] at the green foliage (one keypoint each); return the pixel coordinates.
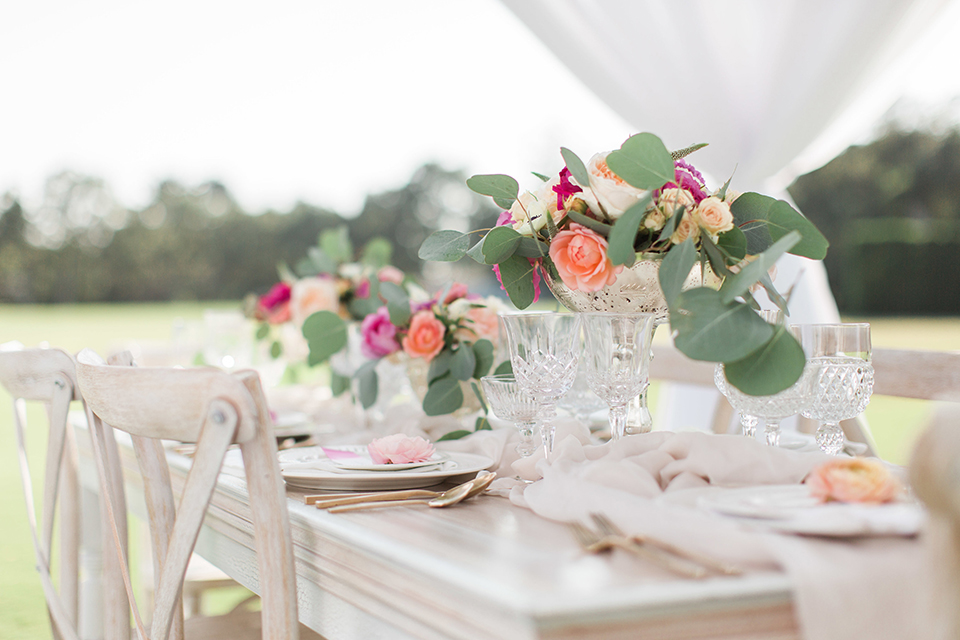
(326, 334)
(516, 273)
(709, 329)
(439, 366)
(504, 368)
(675, 268)
(764, 220)
(445, 246)
(338, 384)
(642, 161)
(499, 244)
(577, 169)
(454, 435)
(773, 367)
(503, 189)
(483, 354)
(367, 384)
(620, 250)
(740, 283)
(376, 253)
(398, 303)
(444, 396)
(590, 223)
(463, 362)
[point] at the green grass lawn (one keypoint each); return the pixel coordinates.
(895, 422)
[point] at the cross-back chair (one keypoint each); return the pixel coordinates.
(214, 410)
(902, 373)
(47, 376)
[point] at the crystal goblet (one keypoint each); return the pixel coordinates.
(845, 381)
(580, 401)
(512, 403)
(617, 360)
(772, 408)
(544, 350)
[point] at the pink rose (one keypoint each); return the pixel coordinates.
(425, 337)
(457, 290)
(389, 273)
(853, 480)
(400, 449)
(581, 259)
(378, 335)
(481, 322)
(310, 295)
(274, 306)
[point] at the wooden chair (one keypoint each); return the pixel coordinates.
(48, 376)
(903, 373)
(214, 410)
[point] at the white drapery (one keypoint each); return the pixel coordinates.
(776, 87)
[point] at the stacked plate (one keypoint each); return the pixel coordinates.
(349, 467)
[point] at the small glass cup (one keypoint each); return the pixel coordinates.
(544, 351)
(845, 382)
(512, 403)
(617, 360)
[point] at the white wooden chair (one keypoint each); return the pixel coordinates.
(48, 376)
(903, 373)
(214, 410)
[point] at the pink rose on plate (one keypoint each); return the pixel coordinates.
(580, 256)
(378, 335)
(400, 449)
(853, 480)
(425, 336)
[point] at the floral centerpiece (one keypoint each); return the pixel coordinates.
(590, 222)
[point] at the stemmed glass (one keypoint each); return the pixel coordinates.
(581, 402)
(846, 376)
(773, 408)
(617, 360)
(511, 403)
(544, 350)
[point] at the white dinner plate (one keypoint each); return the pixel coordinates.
(358, 459)
(310, 468)
(791, 509)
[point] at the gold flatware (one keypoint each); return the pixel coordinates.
(595, 542)
(608, 527)
(446, 498)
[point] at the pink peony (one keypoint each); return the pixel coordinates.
(400, 449)
(425, 337)
(378, 335)
(274, 306)
(581, 259)
(853, 480)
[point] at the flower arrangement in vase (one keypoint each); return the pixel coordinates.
(590, 225)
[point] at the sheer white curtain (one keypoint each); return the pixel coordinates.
(777, 87)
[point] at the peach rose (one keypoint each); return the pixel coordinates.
(581, 259)
(607, 191)
(687, 228)
(713, 214)
(309, 295)
(424, 339)
(400, 449)
(480, 322)
(853, 480)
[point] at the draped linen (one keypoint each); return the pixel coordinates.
(776, 88)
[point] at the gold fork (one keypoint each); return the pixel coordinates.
(595, 542)
(608, 528)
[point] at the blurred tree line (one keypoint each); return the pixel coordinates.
(196, 243)
(889, 209)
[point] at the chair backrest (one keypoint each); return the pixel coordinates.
(47, 376)
(214, 410)
(903, 373)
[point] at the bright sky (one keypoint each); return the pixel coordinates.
(309, 100)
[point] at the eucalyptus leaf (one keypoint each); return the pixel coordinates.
(643, 162)
(482, 424)
(767, 283)
(594, 225)
(620, 251)
(764, 220)
(362, 307)
(463, 363)
(504, 368)
(321, 261)
(476, 252)
(709, 329)
(541, 176)
(675, 268)
(338, 384)
(439, 366)
(751, 272)
(715, 255)
(775, 366)
(336, 244)
(454, 435)
(276, 349)
(367, 388)
(263, 331)
(516, 274)
(376, 253)
(398, 303)
(326, 334)
(734, 244)
(499, 244)
(479, 395)
(531, 248)
(444, 246)
(483, 352)
(503, 189)
(576, 167)
(671, 224)
(444, 396)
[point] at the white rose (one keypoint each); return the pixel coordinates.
(608, 192)
(457, 310)
(309, 295)
(536, 206)
(671, 200)
(713, 214)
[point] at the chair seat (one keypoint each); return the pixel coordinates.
(236, 625)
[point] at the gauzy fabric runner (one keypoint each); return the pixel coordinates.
(844, 588)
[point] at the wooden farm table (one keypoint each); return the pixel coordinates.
(482, 569)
